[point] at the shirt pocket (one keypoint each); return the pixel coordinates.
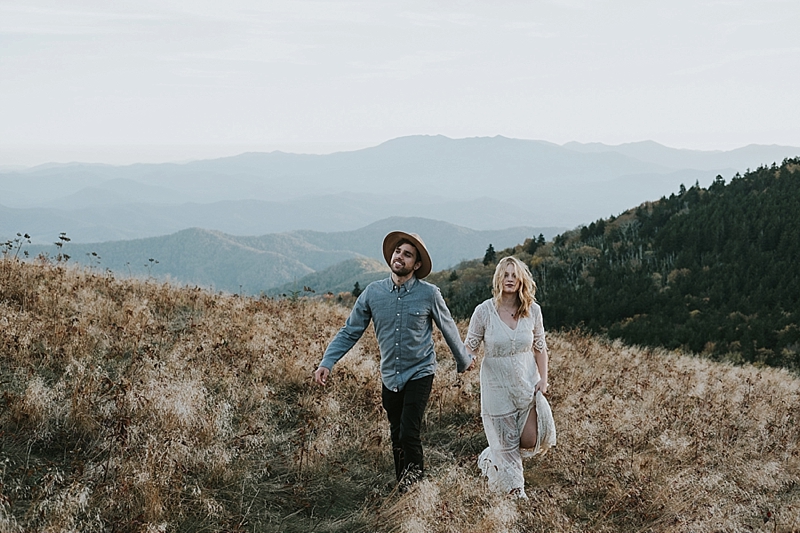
(417, 319)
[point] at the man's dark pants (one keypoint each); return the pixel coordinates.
(405, 410)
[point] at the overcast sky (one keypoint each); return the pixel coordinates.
(156, 80)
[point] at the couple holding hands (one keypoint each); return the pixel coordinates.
(513, 375)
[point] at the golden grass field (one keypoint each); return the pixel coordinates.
(132, 405)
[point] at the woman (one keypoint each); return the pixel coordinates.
(516, 416)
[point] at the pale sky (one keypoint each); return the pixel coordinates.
(158, 80)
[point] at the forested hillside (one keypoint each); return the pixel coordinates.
(712, 271)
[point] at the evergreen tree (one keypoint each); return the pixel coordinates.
(531, 245)
(490, 256)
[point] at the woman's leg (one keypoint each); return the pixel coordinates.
(529, 431)
(501, 463)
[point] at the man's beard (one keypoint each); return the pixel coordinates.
(402, 271)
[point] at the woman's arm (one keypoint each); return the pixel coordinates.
(540, 348)
(475, 332)
(541, 357)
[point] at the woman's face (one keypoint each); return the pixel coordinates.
(511, 283)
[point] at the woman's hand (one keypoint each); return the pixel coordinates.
(541, 386)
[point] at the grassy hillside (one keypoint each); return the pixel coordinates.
(136, 406)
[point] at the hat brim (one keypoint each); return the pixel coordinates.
(390, 243)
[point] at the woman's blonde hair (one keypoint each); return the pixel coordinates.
(527, 287)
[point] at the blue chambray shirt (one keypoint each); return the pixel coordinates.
(402, 318)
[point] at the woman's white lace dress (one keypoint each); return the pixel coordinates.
(508, 377)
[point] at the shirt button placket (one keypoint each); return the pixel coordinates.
(397, 324)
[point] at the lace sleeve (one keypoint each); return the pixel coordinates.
(539, 341)
(477, 328)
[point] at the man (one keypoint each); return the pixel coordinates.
(402, 308)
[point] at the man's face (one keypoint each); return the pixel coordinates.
(404, 260)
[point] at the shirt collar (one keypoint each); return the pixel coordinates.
(405, 286)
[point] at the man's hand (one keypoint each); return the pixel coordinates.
(471, 365)
(321, 376)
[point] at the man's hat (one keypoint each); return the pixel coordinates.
(390, 243)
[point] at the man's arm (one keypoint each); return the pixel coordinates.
(345, 339)
(444, 321)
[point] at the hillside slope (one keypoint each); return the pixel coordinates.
(338, 278)
(707, 270)
(255, 264)
(137, 406)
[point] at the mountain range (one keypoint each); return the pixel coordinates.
(481, 183)
(275, 263)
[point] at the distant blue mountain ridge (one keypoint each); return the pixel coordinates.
(481, 183)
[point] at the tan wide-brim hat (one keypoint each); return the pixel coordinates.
(390, 243)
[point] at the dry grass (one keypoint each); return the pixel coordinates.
(135, 406)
